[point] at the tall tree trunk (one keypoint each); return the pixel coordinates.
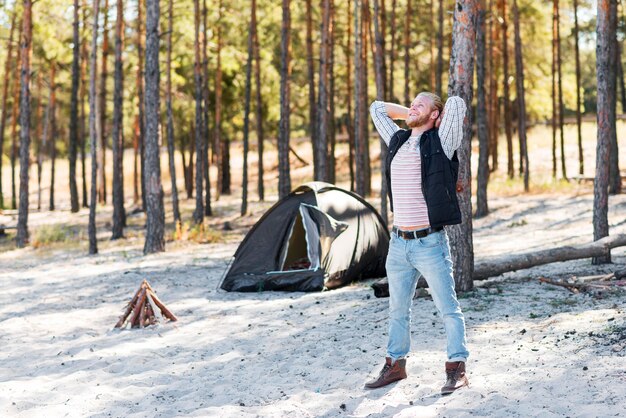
(284, 179)
(117, 136)
(581, 161)
(5, 90)
(615, 178)
(358, 111)
(363, 99)
(219, 143)
(460, 84)
(320, 169)
(521, 99)
(198, 213)
(15, 114)
(330, 176)
(259, 108)
(380, 95)
(555, 26)
(53, 146)
(155, 215)
(141, 143)
(407, 53)
(83, 94)
(102, 96)
(94, 127)
(482, 207)
(246, 114)
(560, 87)
(38, 137)
(313, 120)
(439, 71)
(494, 106)
(50, 108)
(508, 129)
(392, 57)
(349, 124)
(73, 142)
(170, 115)
(604, 37)
(205, 122)
(25, 46)
(431, 40)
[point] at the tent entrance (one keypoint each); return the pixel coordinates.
(301, 249)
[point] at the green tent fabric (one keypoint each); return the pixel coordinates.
(318, 237)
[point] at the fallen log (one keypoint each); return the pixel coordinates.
(501, 264)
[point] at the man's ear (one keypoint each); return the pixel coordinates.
(434, 115)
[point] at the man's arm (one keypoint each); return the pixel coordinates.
(383, 115)
(451, 127)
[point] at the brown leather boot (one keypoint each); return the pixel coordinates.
(455, 377)
(389, 374)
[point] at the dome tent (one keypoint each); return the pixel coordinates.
(318, 237)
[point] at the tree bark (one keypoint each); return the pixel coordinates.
(73, 142)
(508, 129)
(313, 121)
(581, 161)
(5, 90)
(521, 99)
(141, 133)
(494, 106)
(615, 179)
(460, 84)
(259, 108)
(349, 124)
(331, 174)
(560, 87)
(39, 122)
(15, 114)
(83, 93)
(198, 213)
(102, 96)
(94, 127)
(605, 118)
(155, 215)
(321, 133)
(205, 123)
(170, 116)
(439, 71)
(53, 147)
(49, 131)
(25, 46)
(392, 52)
(482, 207)
(494, 266)
(246, 114)
(284, 180)
(363, 99)
(117, 143)
(554, 85)
(358, 137)
(380, 95)
(407, 54)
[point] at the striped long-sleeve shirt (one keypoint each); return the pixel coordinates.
(406, 174)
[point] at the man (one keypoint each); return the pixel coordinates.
(422, 170)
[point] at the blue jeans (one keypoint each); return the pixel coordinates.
(406, 261)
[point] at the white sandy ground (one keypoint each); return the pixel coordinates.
(536, 350)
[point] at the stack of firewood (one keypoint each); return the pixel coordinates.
(144, 309)
(589, 283)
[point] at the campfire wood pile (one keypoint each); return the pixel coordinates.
(144, 309)
(590, 283)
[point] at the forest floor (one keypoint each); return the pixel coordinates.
(536, 349)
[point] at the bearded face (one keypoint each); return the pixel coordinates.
(420, 112)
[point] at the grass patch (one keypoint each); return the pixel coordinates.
(196, 233)
(557, 303)
(51, 234)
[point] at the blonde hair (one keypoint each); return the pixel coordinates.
(437, 102)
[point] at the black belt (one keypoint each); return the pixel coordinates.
(415, 234)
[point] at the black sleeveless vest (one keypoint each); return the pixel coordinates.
(439, 177)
